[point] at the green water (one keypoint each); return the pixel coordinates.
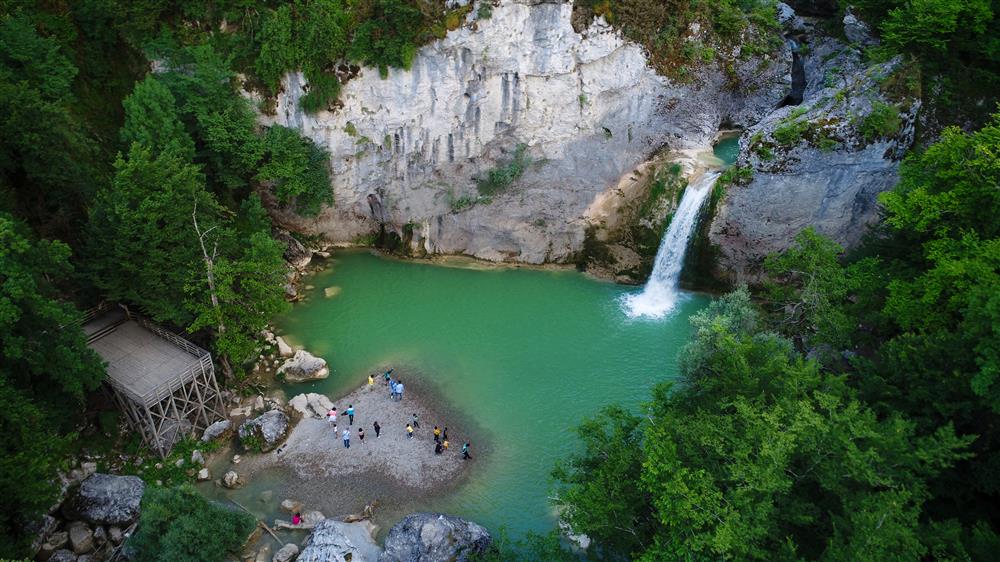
(728, 148)
(527, 354)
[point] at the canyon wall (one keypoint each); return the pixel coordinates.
(406, 149)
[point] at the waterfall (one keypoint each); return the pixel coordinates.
(660, 294)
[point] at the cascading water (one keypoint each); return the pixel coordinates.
(660, 294)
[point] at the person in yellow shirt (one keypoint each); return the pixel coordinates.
(409, 431)
(437, 434)
(445, 444)
(371, 383)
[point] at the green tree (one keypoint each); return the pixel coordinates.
(240, 288)
(142, 247)
(45, 370)
(47, 170)
(387, 35)
(180, 525)
(297, 169)
(756, 454)
(151, 120)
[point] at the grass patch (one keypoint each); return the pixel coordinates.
(790, 133)
(882, 121)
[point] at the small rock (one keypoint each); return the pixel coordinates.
(284, 349)
(291, 506)
(287, 553)
(81, 537)
(197, 457)
(237, 459)
(85, 558)
(311, 404)
(204, 475)
(158, 466)
(100, 536)
(241, 412)
(56, 541)
(63, 556)
(265, 496)
(331, 292)
(311, 518)
(115, 534)
(179, 463)
(231, 479)
(88, 468)
(258, 403)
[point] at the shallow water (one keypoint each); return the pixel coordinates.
(527, 354)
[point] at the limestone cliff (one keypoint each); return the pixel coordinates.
(406, 149)
(821, 163)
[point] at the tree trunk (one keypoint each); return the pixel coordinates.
(227, 368)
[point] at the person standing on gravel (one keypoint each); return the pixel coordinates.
(416, 422)
(347, 438)
(399, 390)
(331, 417)
(378, 429)
(437, 434)
(350, 413)
(361, 435)
(465, 452)
(409, 431)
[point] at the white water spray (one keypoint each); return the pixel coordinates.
(660, 294)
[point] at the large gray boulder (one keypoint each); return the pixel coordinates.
(304, 366)
(335, 541)
(433, 537)
(106, 499)
(265, 431)
(216, 430)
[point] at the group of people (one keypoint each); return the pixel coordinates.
(441, 443)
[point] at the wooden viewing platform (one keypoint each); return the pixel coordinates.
(163, 383)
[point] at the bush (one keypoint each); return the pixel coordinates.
(500, 178)
(883, 121)
(790, 133)
(180, 525)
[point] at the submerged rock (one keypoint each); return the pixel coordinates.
(335, 541)
(265, 431)
(433, 537)
(304, 366)
(105, 499)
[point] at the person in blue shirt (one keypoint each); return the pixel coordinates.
(350, 414)
(465, 452)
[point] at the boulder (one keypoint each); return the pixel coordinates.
(291, 506)
(100, 536)
(63, 556)
(335, 541)
(286, 553)
(264, 431)
(54, 543)
(311, 404)
(284, 349)
(204, 475)
(197, 457)
(304, 366)
(295, 253)
(231, 479)
(433, 537)
(105, 499)
(81, 537)
(857, 31)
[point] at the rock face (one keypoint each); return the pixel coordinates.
(105, 499)
(432, 537)
(311, 404)
(264, 431)
(818, 164)
(334, 541)
(405, 150)
(304, 366)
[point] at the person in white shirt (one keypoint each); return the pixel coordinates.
(347, 438)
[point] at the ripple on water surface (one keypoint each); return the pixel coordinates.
(527, 354)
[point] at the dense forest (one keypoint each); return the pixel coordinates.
(845, 410)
